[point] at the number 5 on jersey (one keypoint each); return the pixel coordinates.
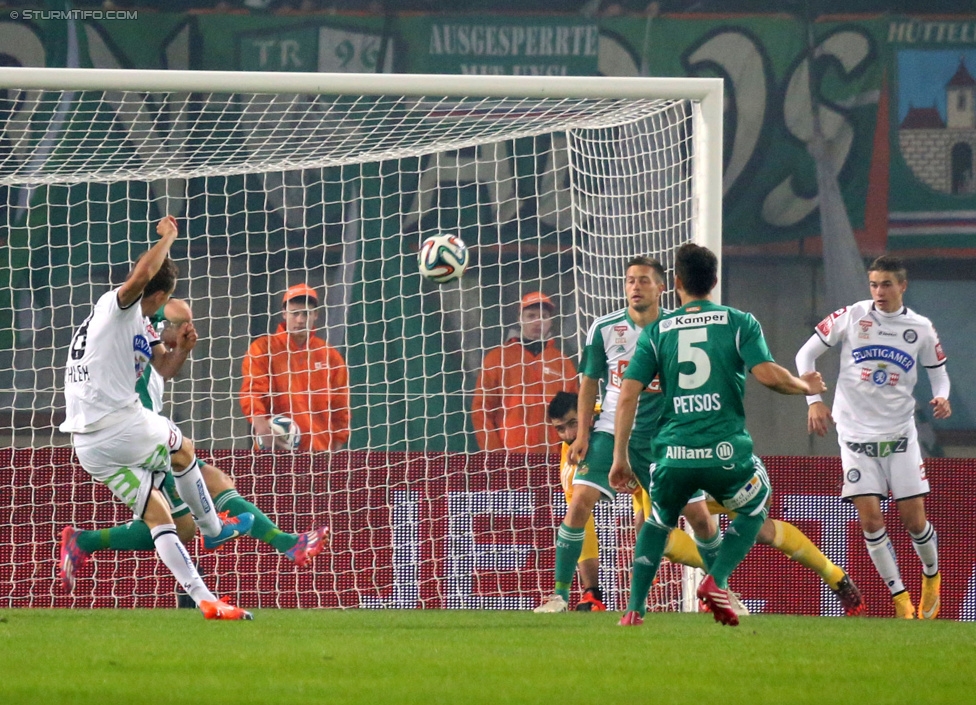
(687, 352)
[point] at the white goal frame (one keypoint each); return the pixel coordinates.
(705, 94)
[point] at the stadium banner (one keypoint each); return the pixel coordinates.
(932, 193)
(770, 182)
(536, 45)
(411, 530)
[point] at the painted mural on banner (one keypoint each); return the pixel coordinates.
(771, 88)
(932, 200)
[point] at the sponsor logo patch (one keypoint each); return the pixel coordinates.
(827, 324)
(686, 453)
(884, 353)
(724, 450)
(685, 320)
(910, 336)
(744, 495)
(853, 475)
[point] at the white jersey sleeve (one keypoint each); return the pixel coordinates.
(832, 329)
(931, 354)
(108, 353)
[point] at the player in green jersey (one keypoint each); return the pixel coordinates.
(172, 320)
(700, 353)
(610, 343)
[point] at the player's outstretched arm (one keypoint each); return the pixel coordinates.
(779, 379)
(147, 265)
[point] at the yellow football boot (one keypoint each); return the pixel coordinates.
(928, 608)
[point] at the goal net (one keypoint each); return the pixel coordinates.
(333, 181)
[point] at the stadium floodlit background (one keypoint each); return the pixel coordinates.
(886, 83)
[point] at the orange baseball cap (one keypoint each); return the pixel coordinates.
(537, 298)
(299, 290)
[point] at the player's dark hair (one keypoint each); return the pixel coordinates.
(642, 261)
(164, 279)
(561, 404)
(887, 263)
(697, 267)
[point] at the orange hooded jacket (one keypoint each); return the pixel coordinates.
(309, 384)
(512, 394)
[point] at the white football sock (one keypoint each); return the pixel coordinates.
(883, 556)
(193, 491)
(174, 555)
(926, 545)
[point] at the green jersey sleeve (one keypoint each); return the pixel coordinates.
(752, 343)
(142, 389)
(142, 384)
(593, 362)
(644, 364)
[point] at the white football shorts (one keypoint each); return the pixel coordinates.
(879, 467)
(130, 457)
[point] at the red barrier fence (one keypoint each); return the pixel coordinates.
(435, 531)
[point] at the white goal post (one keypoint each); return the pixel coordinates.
(333, 180)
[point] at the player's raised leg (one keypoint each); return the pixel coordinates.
(745, 488)
(795, 545)
(299, 548)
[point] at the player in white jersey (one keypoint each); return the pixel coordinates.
(883, 343)
(126, 446)
(174, 323)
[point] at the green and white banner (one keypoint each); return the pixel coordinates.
(924, 72)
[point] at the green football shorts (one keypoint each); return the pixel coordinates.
(743, 488)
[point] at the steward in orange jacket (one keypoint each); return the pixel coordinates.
(294, 373)
(517, 381)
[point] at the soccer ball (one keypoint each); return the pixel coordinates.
(443, 258)
(287, 431)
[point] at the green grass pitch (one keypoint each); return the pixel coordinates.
(360, 656)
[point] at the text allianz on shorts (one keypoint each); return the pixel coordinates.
(131, 457)
(878, 467)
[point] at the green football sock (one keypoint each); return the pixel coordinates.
(264, 529)
(647, 558)
(708, 548)
(569, 545)
(739, 538)
(134, 536)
